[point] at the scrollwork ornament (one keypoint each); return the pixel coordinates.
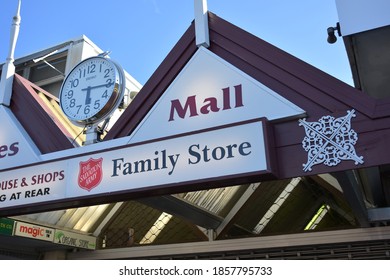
(330, 141)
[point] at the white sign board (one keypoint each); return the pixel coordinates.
(75, 239)
(210, 155)
(15, 145)
(210, 92)
(34, 231)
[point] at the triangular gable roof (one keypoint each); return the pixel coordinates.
(210, 92)
(309, 88)
(297, 81)
(44, 128)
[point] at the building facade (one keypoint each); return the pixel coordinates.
(283, 161)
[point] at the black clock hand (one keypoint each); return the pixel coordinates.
(89, 88)
(88, 97)
(98, 86)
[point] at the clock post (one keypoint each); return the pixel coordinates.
(91, 135)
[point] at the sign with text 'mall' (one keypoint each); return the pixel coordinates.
(211, 155)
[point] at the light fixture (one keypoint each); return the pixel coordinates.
(331, 36)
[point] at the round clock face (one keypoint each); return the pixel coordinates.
(92, 90)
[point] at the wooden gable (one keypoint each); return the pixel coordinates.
(318, 93)
(46, 129)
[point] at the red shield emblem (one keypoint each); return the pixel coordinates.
(90, 173)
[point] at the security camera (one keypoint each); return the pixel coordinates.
(331, 33)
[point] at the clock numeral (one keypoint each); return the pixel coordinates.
(105, 94)
(72, 103)
(79, 107)
(106, 72)
(87, 110)
(91, 68)
(70, 94)
(74, 83)
(97, 104)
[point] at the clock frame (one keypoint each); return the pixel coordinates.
(92, 90)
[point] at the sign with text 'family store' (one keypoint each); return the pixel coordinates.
(204, 158)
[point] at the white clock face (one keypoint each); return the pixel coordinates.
(90, 90)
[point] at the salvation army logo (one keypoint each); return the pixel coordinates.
(90, 173)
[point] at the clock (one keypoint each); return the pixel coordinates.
(92, 90)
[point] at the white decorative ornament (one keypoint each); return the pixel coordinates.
(329, 141)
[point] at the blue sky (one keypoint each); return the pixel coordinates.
(140, 33)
